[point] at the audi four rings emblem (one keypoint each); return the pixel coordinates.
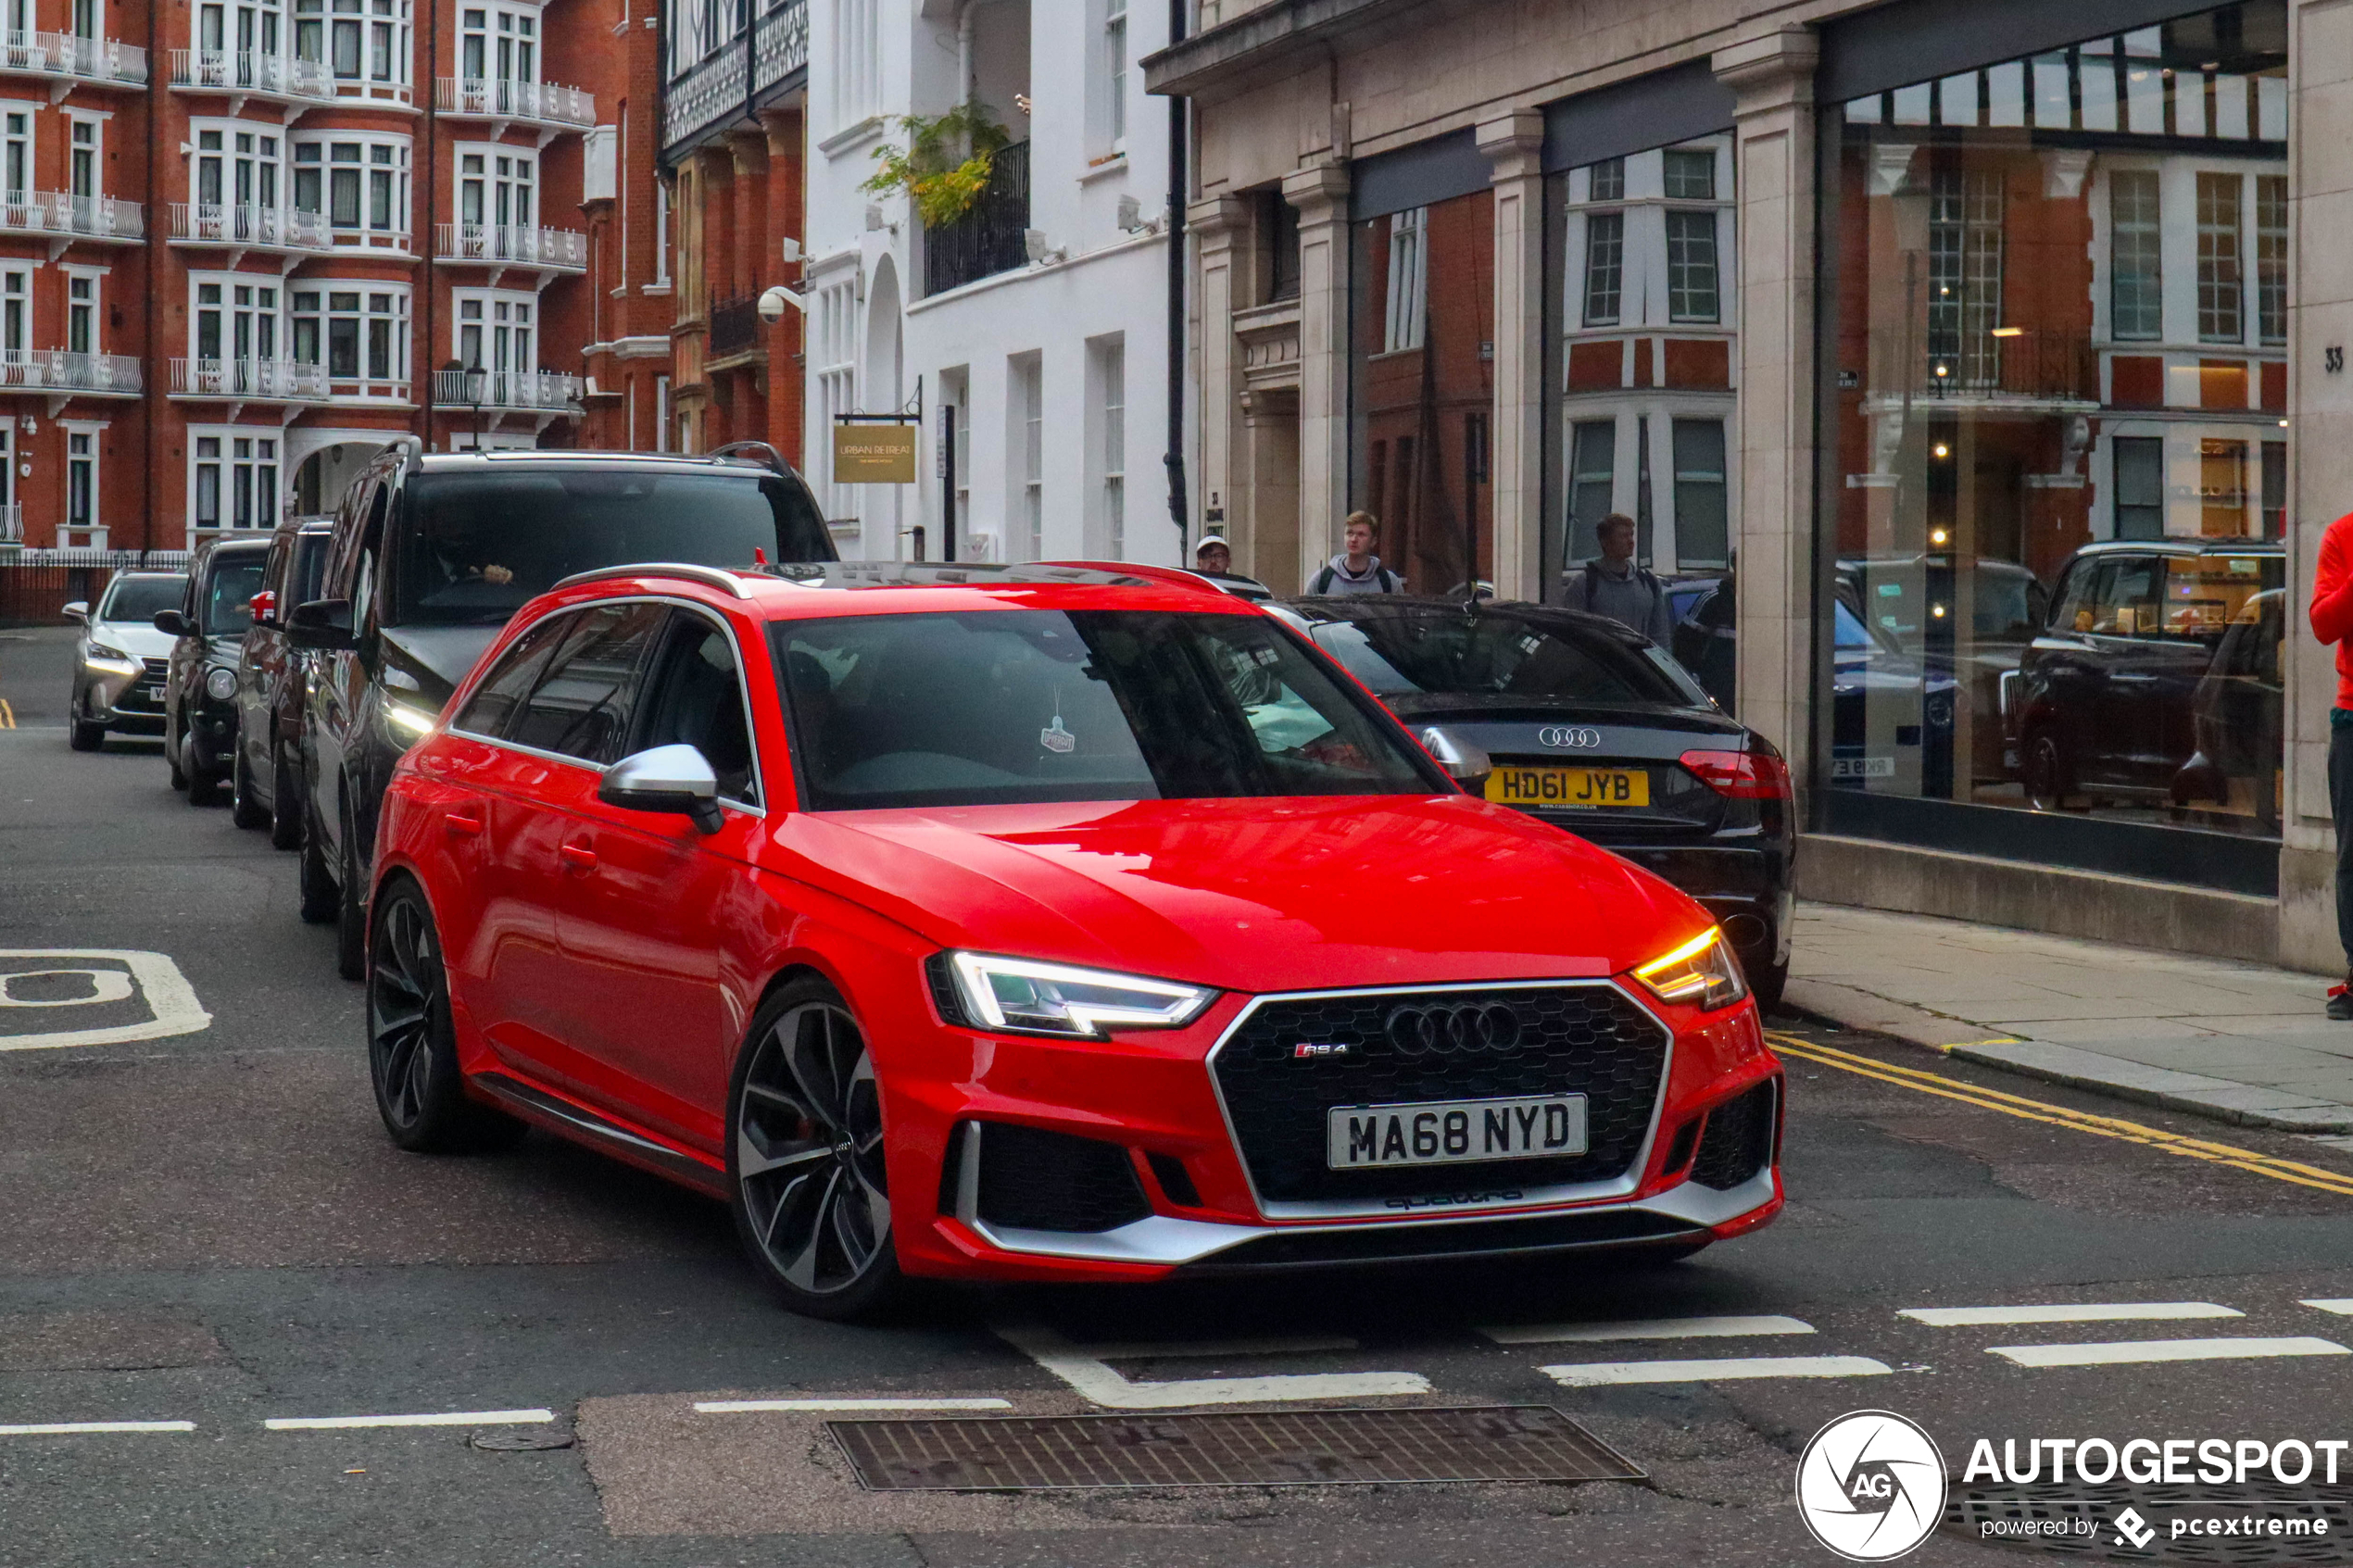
(1570, 737)
(1442, 1031)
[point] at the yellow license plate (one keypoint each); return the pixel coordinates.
(1599, 788)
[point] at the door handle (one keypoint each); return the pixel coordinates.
(462, 824)
(577, 855)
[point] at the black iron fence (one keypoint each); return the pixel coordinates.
(37, 585)
(734, 327)
(989, 238)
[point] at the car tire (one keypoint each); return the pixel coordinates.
(204, 788)
(321, 899)
(2047, 773)
(84, 735)
(351, 911)
(1767, 985)
(285, 802)
(244, 810)
(412, 1044)
(172, 756)
(805, 1170)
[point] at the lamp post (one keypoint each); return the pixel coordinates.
(471, 379)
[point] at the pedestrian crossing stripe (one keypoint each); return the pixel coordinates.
(2246, 1160)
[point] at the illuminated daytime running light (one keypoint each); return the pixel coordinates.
(1702, 973)
(1049, 998)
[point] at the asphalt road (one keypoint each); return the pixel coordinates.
(208, 1227)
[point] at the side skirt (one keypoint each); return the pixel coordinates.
(581, 1124)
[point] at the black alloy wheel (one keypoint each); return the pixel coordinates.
(244, 810)
(321, 899)
(805, 1159)
(413, 1049)
(351, 910)
(2046, 773)
(285, 802)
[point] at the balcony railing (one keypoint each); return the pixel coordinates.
(260, 381)
(508, 245)
(989, 238)
(2025, 366)
(243, 224)
(11, 524)
(68, 54)
(734, 327)
(546, 390)
(251, 70)
(55, 212)
(710, 87)
(57, 370)
(539, 103)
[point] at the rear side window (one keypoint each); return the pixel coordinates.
(494, 704)
(581, 705)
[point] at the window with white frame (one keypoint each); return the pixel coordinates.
(359, 331)
(1109, 357)
(235, 166)
(1112, 116)
(8, 502)
(662, 233)
(15, 313)
(81, 158)
(857, 59)
(835, 341)
(81, 477)
(494, 331)
(358, 183)
(81, 309)
(232, 478)
(1407, 278)
(498, 43)
(497, 190)
(362, 45)
(233, 328)
(87, 17)
(1027, 373)
(15, 154)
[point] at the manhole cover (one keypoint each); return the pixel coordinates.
(2261, 1522)
(511, 1442)
(1228, 1448)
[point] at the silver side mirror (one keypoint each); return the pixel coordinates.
(1466, 764)
(676, 778)
(78, 609)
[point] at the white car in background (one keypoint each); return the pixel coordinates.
(121, 659)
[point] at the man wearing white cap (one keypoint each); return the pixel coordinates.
(1213, 556)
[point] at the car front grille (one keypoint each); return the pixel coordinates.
(1591, 1041)
(135, 697)
(1738, 1139)
(1032, 1179)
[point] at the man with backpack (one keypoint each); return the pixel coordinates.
(1357, 569)
(1612, 584)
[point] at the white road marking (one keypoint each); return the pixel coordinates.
(434, 1418)
(1644, 1328)
(1084, 1370)
(171, 1002)
(2105, 1312)
(2341, 1305)
(1173, 1349)
(1598, 1373)
(746, 1407)
(2131, 1352)
(73, 1428)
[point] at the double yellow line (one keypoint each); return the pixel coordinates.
(7, 715)
(2019, 1105)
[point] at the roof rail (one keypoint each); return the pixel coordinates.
(710, 576)
(1174, 576)
(766, 455)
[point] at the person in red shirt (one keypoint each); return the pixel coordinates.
(2333, 623)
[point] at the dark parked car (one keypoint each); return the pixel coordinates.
(1593, 729)
(2111, 701)
(200, 687)
(265, 786)
(2235, 714)
(433, 555)
(1915, 604)
(122, 657)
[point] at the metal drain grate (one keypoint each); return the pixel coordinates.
(1973, 1509)
(1228, 1448)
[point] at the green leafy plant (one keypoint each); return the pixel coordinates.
(946, 163)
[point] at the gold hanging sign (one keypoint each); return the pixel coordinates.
(874, 452)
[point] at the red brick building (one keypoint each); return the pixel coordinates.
(245, 242)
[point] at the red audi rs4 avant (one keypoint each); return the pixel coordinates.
(1054, 921)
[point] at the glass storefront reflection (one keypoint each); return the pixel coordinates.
(2059, 337)
(1423, 389)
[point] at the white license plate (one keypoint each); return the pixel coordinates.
(1444, 1131)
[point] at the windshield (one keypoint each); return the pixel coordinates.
(479, 545)
(2007, 604)
(233, 581)
(1005, 705)
(1497, 657)
(138, 598)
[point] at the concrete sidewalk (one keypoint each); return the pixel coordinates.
(2240, 1042)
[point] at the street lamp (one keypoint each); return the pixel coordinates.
(470, 379)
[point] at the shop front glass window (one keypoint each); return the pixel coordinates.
(1424, 379)
(2059, 354)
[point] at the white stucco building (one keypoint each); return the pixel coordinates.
(1039, 316)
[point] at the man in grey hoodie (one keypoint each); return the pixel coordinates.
(1612, 584)
(1357, 569)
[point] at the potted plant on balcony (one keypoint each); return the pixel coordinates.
(946, 163)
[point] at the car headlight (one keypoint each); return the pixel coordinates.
(220, 684)
(1052, 999)
(405, 720)
(1702, 973)
(114, 661)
